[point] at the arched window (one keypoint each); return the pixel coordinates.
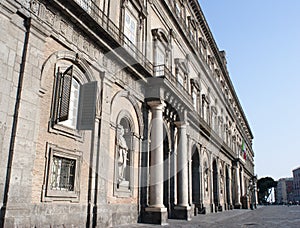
(74, 103)
(161, 51)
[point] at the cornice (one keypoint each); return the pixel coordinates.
(204, 25)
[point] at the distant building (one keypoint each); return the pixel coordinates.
(296, 184)
(284, 192)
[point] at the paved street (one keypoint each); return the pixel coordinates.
(266, 216)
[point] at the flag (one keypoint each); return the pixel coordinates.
(244, 150)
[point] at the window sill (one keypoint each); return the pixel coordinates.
(60, 129)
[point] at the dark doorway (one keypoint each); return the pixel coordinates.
(215, 184)
(227, 184)
(195, 177)
(167, 156)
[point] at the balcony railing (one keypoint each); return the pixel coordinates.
(163, 71)
(114, 31)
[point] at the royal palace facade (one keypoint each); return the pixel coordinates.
(117, 112)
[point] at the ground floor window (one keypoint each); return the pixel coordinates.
(62, 176)
(63, 173)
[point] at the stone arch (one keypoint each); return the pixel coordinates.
(161, 34)
(73, 57)
(134, 104)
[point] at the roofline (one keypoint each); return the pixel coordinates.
(213, 44)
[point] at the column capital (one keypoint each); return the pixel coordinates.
(181, 124)
(157, 104)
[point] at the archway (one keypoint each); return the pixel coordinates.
(215, 185)
(168, 176)
(195, 177)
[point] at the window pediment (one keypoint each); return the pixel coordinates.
(182, 64)
(195, 83)
(160, 34)
(138, 5)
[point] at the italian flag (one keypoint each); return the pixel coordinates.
(244, 150)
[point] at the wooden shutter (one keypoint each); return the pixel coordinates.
(56, 92)
(65, 87)
(87, 106)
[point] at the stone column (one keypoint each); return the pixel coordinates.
(202, 185)
(229, 194)
(156, 212)
(182, 210)
(237, 203)
(243, 193)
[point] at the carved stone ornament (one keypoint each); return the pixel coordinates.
(34, 6)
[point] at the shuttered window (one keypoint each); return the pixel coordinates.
(75, 103)
(87, 107)
(64, 92)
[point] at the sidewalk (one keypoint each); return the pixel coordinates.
(200, 220)
(263, 216)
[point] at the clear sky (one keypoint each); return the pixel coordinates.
(262, 43)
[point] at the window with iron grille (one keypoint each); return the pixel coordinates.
(63, 174)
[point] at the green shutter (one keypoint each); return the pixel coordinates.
(87, 106)
(66, 84)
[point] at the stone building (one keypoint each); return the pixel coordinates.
(296, 184)
(116, 112)
(284, 190)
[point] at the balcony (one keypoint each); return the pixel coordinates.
(92, 16)
(163, 71)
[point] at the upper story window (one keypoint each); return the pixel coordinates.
(192, 29)
(195, 88)
(161, 51)
(130, 27)
(85, 4)
(205, 108)
(195, 99)
(160, 54)
(74, 103)
(203, 47)
(181, 71)
(177, 9)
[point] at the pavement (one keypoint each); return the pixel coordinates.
(263, 216)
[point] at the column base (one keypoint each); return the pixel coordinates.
(202, 210)
(238, 206)
(153, 215)
(182, 212)
(220, 207)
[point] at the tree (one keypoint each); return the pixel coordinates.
(264, 185)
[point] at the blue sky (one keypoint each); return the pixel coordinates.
(262, 43)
